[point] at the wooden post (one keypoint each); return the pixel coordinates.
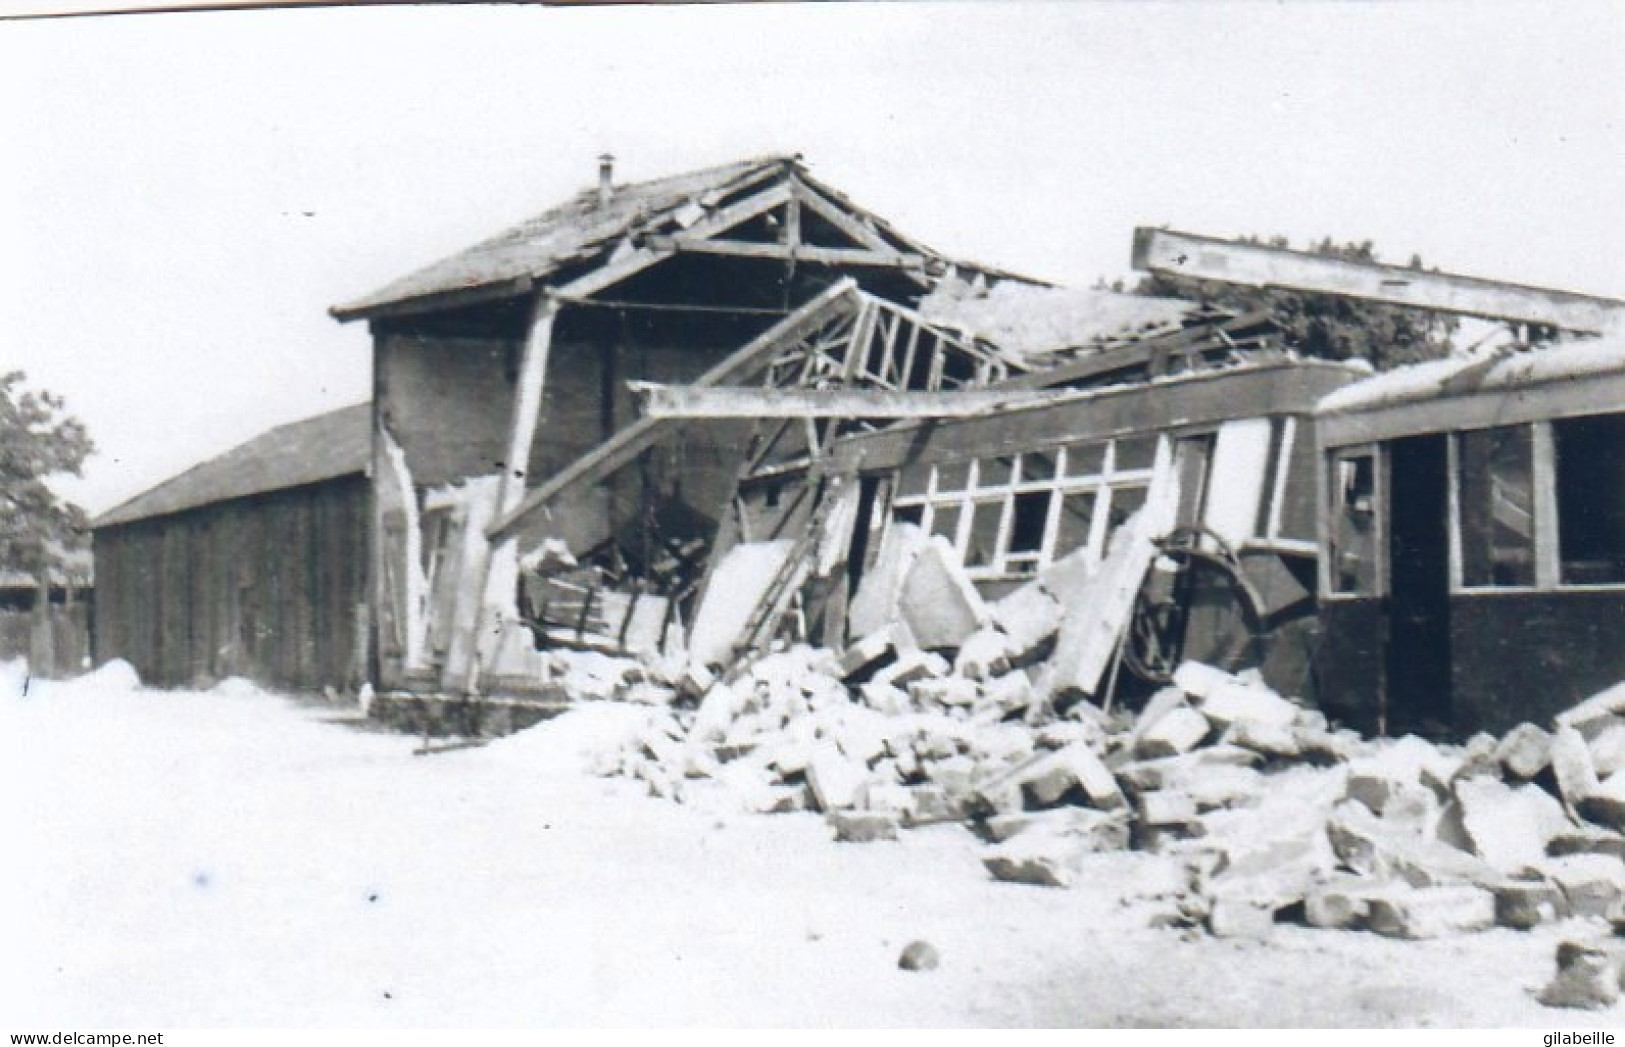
(499, 573)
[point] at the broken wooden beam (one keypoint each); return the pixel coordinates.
(625, 446)
(689, 244)
(693, 401)
(1171, 253)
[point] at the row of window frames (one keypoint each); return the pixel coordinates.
(1077, 462)
(1019, 532)
(1496, 519)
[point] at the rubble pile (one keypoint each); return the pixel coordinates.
(1264, 811)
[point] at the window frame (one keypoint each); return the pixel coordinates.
(1331, 505)
(1006, 564)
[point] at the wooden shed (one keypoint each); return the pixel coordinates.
(254, 563)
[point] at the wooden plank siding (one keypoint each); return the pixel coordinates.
(264, 587)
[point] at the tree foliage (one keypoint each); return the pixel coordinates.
(1327, 326)
(38, 440)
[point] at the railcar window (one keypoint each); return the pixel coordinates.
(1495, 477)
(1354, 532)
(1590, 499)
(1011, 514)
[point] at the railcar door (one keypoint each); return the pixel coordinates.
(1417, 654)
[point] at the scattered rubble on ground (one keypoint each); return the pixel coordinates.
(1255, 809)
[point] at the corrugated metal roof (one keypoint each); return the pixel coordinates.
(1027, 322)
(535, 247)
(328, 446)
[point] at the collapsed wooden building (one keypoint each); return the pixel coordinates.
(684, 419)
(500, 376)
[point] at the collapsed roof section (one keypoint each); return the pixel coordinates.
(769, 208)
(844, 338)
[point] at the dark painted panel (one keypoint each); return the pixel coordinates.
(1347, 666)
(1526, 656)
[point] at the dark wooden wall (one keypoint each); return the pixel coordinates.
(264, 587)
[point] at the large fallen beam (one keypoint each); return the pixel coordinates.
(1171, 253)
(624, 447)
(716, 402)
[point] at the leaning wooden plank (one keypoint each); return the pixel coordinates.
(694, 401)
(1255, 265)
(625, 446)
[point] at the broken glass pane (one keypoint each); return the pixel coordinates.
(1354, 512)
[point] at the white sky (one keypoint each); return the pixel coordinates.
(159, 268)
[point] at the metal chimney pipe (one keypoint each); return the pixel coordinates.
(606, 178)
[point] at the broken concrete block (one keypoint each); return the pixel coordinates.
(834, 777)
(913, 666)
(1571, 764)
(884, 698)
(1156, 707)
(1341, 903)
(1167, 771)
(1587, 839)
(1222, 787)
(984, 653)
(1040, 859)
(1051, 775)
(932, 804)
(1522, 904)
(1432, 912)
(1177, 731)
(1269, 740)
(719, 708)
(874, 606)
(1010, 693)
(864, 657)
(1508, 827)
(939, 603)
(1097, 611)
(1525, 751)
(1605, 805)
(1587, 716)
(1367, 845)
(884, 796)
(736, 587)
(1588, 976)
(1322, 747)
(862, 826)
(947, 692)
(1399, 765)
(1166, 807)
(696, 679)
(954, 774)
(1028, 617)
(1241, 916)
(1236, 702)
(1098, 830)
(1198, 680)
(1416, 809)
(1608, 749)
(1591, 883)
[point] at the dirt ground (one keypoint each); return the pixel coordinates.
(234, 858)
